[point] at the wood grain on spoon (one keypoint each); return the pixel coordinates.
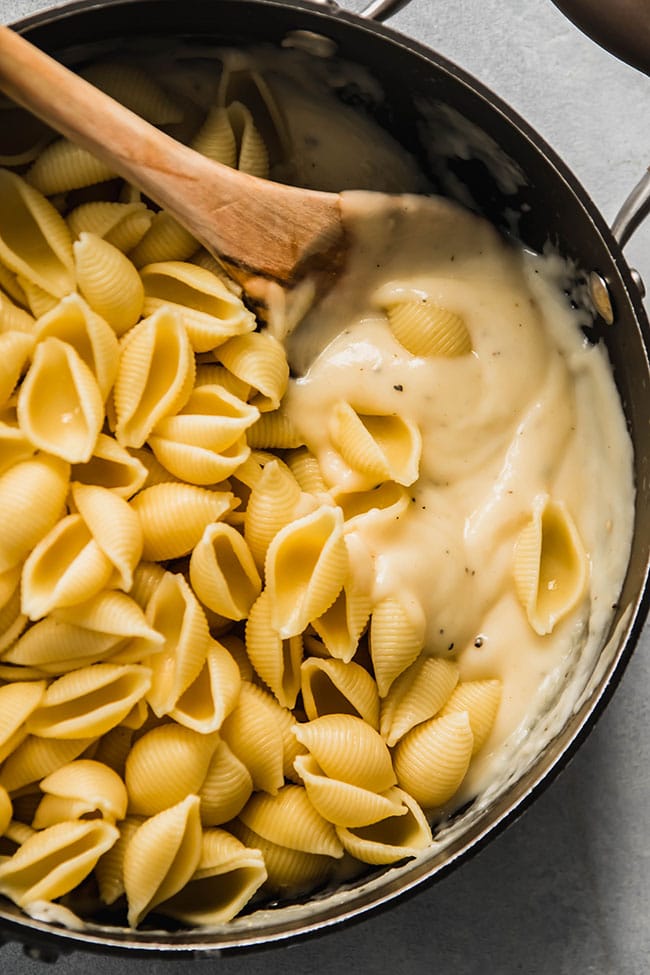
(256, 227)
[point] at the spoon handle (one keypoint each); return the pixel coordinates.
(252, 224)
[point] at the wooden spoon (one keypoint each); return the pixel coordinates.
(262, 231)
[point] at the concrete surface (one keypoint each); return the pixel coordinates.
(566, 890)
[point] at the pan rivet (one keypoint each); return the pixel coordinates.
(600, 296)
(638, 280)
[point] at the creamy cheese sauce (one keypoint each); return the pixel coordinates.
(531, 410)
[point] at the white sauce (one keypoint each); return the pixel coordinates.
(533, 409)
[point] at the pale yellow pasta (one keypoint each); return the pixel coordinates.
(53, 646)
(6, 810)
(389, 839)
(347, 748)
(15, 354)
(340, 802)
(223, 573)
(396, 639)
(60, 405)
(53, 861)
(121, 224)
(64, 166)
(274, 430)
(35, 242)
(108, 281)
(74, 322)
(252, 733)
(377, 446)
(385, 501)
(273, 503)
(9, 284)
(306, 565)
(12, 618)
(114, 613)
(165, 240)
(252, 154)
(36, 757)
(161, 856)
(109, 870)
(424, 328)
(289, 872)
(341, 626)
(155, 472)
(64, 568)
(146, 579)
(210, 312)
(226, 787)
(227, 876)
(115, 526)
(289, 819)
(432, 759)
(39, 300)
(165, 765)
(175, 612)
(112, 466)
(336, 687)
(211, 697)
(259, 360)
(480, 699)
(17, 701)
(417, 695)
(135, 88)
(305, 468)
(155, 376)
(88, 788)
(14, 446)
(550, 565)
(38, 485)
(216, 138)
(214, 374)
(13, 318)
(276, 660)
(174, 516)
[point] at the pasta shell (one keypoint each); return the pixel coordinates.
(226, 878)
(146, 579)
(155, 376)
(17, 702)
(273, 503)
(341, 803)
(275, 660)
(252, 155)
(108, 281)
(417, 695)
(550, 565)
(115, 527)
(174, 611)
(335, 687)
(112, 466)
(226, 787)
(35, 242)
(210, 312)
(289, 872)
(13, 318)
(306, 470)
(380, 447)
(109, 870)
(136, 89)
(161, 856)
(15, 353)
(348, 749)
(39, 301)
(64, 568)
(252, 733)
(260, 361)
(341, 626)
(55, 860)
(89, 702)
(389, 839)
(214, 374)
(95, 788)
(432, 759)
(36, 757)
(216, 139)
(121, 224)
(289, 819)
(165, 765)
(396, 639)
(223, 572)
(60, 406)
(6, 810)
(113, 613)
(94, 341)
(38, 485)
(426, 329)
(306, 565)
(199, 465)
(12, 620)
(64, 166)
(166, 240)
(210, 698)
(174, 517)
(55, 647)
(9, 283)
(274, 430)
(386, 500)
(14, 447)
(480, 699)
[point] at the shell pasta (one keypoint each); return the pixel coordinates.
(248, 639)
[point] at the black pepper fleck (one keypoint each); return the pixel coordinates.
(399, 388)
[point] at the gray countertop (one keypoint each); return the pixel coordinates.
(566, 889)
